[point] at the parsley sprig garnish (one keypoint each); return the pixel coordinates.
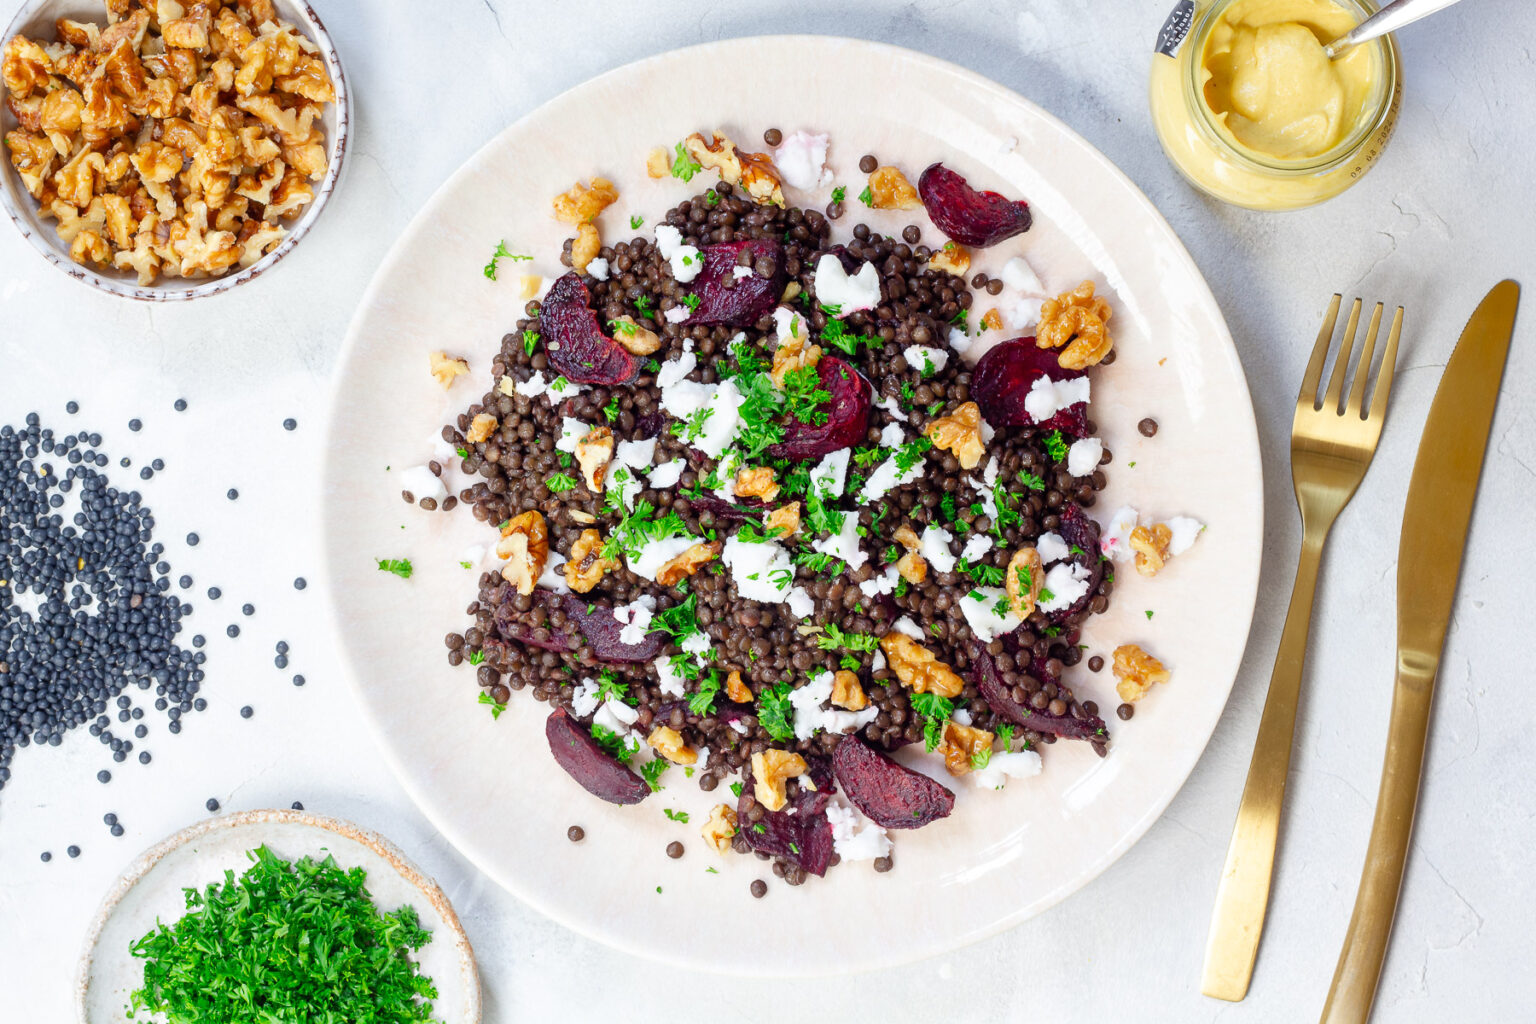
(774, 711)
(399, 566)
(501, 253)
(684, 167)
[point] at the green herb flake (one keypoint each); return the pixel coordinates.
(684, 167)
(651, 772)
(501, 253)
(530, 341)
(774, 711)
(839, 194)
(496, 706)
(399, 566)
(635, 221)
(867, 197)
(681, 817)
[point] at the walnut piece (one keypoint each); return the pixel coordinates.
(446, 369)
(636, 338)
(847, 691)
(587, 565)
(528, 285)
(669, 744)
(757, 482)
(793, 353)
(585, 246)
(960, 744)
(912, 566)
(593, 452)
(579, 516)
(916, 666)
(771, 769)
(991, 320)
(954, 258)
(889, 189)
(1151, 547)
(1136, 672)
(688, 563)
(1077, 323)
(785, 518)
(960, 434)
(719, 828)
(525, 545)
(580, 204)
(480, 428)
(736, 689)
(754, 172)
(657, 163)
(1024, 580)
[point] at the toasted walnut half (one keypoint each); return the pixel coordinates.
(587, 565)
(793, 353)
(636, 338)
(953, 257)
(754, 172)
(757, 482)
(669, 744)
(1025, 578)
(785, 518)
(912, 566)
(847, 692)
(889, 189)
(593, 452)
(657, 163)
(585, 246)
(688, 563)
(719, 828)
(480, 428)
(581, 203)
(960, 434)
(445, 369)
(525, 545)
(1136, 672)
(960, 744)
(992, 320)
(1151, 547)
(771, 769)
(1077, 323)
(736, 689)
(916, 666)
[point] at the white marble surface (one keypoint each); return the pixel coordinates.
(1444, 215)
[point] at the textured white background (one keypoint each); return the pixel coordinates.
(1444, 215)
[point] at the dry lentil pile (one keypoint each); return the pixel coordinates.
(773, 649)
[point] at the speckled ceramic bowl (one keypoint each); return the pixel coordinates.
(36, 19)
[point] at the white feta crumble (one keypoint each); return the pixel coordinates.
(1021, 314)
(985, 496)
(962, 717)
(710, 432)
(877, 663)
(584, 698)
(738, 728)
(635, 454)
(980, 609)
(1048, 397)
(978, 545)
(616, 716)
(597, 267)
(935, 548)
(1083, 457)
(1067, 582)
(802, 160)
(892, 436)
(1018, 274)
(1005, 765)
(475, 554)
(669, 680)
(855, 837)
(658, 553)
(959, 340)
(801, 604)
(667, 474)
(725, 472)
(686, 261)
(1051, 547)
(562, 388)
(553, 577)
(423, 483)
(675, 371)
(892, 409)
(533, 387)
(695, 643)
(786, 323)
(811, 719)
(1115, 540)
(739, 272)
(1184, 530)
(571, 431)
(635, 617)
(830, 475)
(847, 293)
(762, 571)
(887, 476)
(926, 359)
(885, 583)
(675, 314)
(844, 543)
(907, 626)
(989, 472)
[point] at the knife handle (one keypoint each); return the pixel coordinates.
(1365, 945)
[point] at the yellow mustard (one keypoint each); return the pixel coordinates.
(1251, 110)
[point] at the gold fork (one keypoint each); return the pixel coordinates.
(1332, 441)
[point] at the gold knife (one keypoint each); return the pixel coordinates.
(1440, 497)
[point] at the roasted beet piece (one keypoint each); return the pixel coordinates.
(1003, 377)
(585, 760)
(577, 347)
(597, 624)
(847, 415)
(735, 301)
(532, 627)
(1082, 535)
(889, 794)
(976, 219)
(804, 837)
(722, 509)
(1000, 699)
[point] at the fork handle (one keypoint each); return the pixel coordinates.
(1238, 918)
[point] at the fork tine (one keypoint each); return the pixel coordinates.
(1388, 362)
(1363, 367)
(1319, 354)
(1341, 365)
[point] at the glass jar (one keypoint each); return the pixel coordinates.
(1213, 159)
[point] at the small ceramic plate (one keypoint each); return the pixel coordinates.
(151, 890)
(491, 786)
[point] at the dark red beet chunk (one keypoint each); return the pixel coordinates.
(722, 509)
(578, 349)
(976, 219)
(585, 760)
(1082, 535)
(738, 301)
(804, 837)
(512, 626)
(847, 415)
(602, 632)
(999, 698)
(1003, 377)
(889, 794)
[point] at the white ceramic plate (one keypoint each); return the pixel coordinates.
(492, 787)
(151, 890)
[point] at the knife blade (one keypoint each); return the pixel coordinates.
(1441, 494)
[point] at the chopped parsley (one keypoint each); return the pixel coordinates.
(684, 167)
(835, 639)
(1055, 446)
(560, 482)
(681, 817)
(611, 742)
(476, 657)
(774, 710)
(1149, 613)
(867, 197)
(911, 453)
(623, 326)
(837, 336)
(984, 575)
(1005, 735)
(530, 341)
(496, 706)
(609, 687)
(635, 221)
(839, 194)
(466, 565)
(935, 711)
(651, 773)
(611, 410)
(501, 253)
(692, 300)
(678, 621)
(646, 307)
(703, 701)
(399, 566)
(736, 790)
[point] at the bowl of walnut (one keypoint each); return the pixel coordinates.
(163, 149)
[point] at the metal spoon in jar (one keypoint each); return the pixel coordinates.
(1389, 19)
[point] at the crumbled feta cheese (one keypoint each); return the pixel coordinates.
(423, 483)
(1051, 547)
(888, 476)
(989, 472)
(801, 604)
(837, 289)
(667, 474)
(960, 341)
(615, 715)
(571, 431)
(475, 554)
(979, 606)
(562, 388)
(635, 454)
(553, 577)
(696, 644)
(584, 698)
(1184, 531)
(978, 545)
(811, 719)
(738, 272)
(1068, 584)
(984, 496)
(962, 717)
(877, 663)
(892, 436)
(830, 475)
(882, 584)
(669, 680)
(1048, 397)
(845, 543)
(686, 261)
(1083, 457)
(635, 617)
(787, 323)
(935, 548)
(658, 553)
(925, 359)
(907, 626)
(1018, 274)
(533, 387)
(723, 420)
(1005, 765)
(762, 571)
(675, 314)
(725, 471)
(892, 409)
(1021, 314)
(738, 727)
(598, 268)
(1115, 540)
(674, 371)
(855, 837)
(802, 160)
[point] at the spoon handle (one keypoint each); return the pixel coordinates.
(1389, 19)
